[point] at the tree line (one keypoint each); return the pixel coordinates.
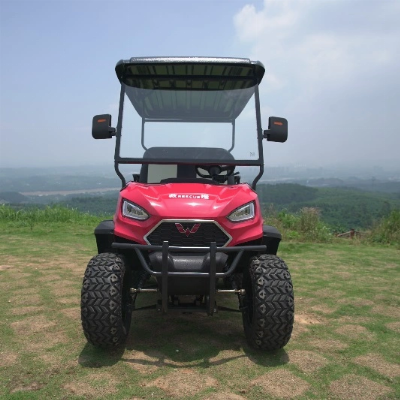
(340, 208)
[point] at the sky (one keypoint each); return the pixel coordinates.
(332, 69)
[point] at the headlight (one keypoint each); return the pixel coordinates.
(242, 213)
(133, 211)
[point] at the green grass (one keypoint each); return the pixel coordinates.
(347, 307)
(33, 216)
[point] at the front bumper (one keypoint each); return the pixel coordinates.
(212, 275)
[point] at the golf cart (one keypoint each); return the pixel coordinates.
(185, 226)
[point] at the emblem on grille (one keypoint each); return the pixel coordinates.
(187, 231)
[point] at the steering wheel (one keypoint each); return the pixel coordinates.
(214, 171)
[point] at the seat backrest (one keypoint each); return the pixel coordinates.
(155, 173)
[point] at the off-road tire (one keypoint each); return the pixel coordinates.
(268, 312)
(105, 301)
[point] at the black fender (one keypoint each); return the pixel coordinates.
(271, 238)
(104, 233)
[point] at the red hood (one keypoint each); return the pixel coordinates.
(187, 201)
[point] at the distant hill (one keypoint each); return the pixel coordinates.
(12, 198)
(27, 180)
(343, 208)
(369, 185)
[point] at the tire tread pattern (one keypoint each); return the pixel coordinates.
(102, 301)
(269, 315)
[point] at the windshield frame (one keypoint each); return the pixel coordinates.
(118, 159)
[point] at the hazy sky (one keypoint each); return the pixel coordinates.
(332, 69)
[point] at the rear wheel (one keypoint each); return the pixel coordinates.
(268, 311)
(106, 305)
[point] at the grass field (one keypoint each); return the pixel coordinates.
(345, 343)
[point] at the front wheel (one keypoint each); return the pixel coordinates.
(106, 305)
(268, 304)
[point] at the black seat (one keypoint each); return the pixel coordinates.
(185, 172)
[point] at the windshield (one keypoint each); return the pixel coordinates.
(178, 125)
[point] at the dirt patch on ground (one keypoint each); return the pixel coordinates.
(192, 348)
(26, 300)
(49, 278)
(28, 388)
(93, 385)
(394, 326)
(22, 284)
(304, 303)
(7, 358)
(73, 313)
(344, 274)
(27, 310)
(4, 285)
(32, 325)
(40, 333)
(307, 361)
(141, 362)
(65, 282)
(184, 382)
(12, 260)
(298, 329)
(281, 383)
(51, 359)
(324, 309)
(77, 267)
(379, 364)
(329, 345)
(346, 319)
(47, 340)
(387, 311)
(385, 297)
(225, 396)
(26, 291)
(31, 290)
(391, 265)
(228, 355)
(4, 267)
(45, 267)
(19, 275)
(356, 302)
(355, 332)
(330, 293)
(70, 300)
(357, 387)
(65, 291)
(308, 319)
(231, 365)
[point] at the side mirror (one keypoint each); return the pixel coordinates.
(101, 127)
(277, 130)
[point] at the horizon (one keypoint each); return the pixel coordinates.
(366, 164)
(387, 171)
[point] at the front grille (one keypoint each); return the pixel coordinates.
(207, 232)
